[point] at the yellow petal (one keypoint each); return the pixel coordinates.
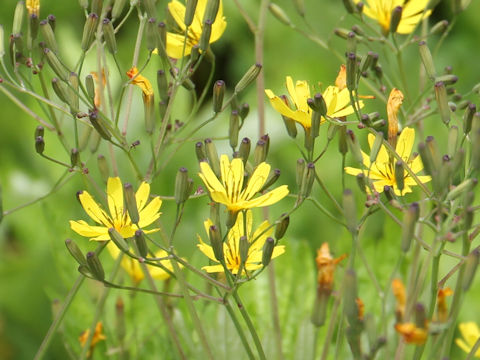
(213, 268)
(405, 143)
(142, 194)
(269, 198)
(302, 91)
(115, 198)
(258, 179)
(177, 10)
(209, 178)
(150, 213)
(232, 176)
(82, 228)
(175, 45)
(93, 209)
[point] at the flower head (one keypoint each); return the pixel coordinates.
(381, 11)
(470, 334)
(118, 217)
(337, 100)
(231, 247)
(191, 36)
(411, 333)
(382, 170)
(98, 336)
(326, 266)
(33, 7)
(141, 81)
(133, 268)
(230, 189)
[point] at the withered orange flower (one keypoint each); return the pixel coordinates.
(326, 266)
(411, 333)
(398, 290)
(442, 309)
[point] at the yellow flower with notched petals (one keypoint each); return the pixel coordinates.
(230, 190)
(470, 334)
(337, 101)
(175, 42)
(413, 12)
(382, 170)
(118, 218)
(231, 247)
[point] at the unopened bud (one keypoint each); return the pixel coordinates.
(60, 89)
(248, 78)
(272, 178)
(96, 6)
(399, 175)
(89, 31)
(39, 131)
(149, 6)
(190, 12)
(267, 251)
(377, 144)
(75, 251)
(95, 266)
(462, 188)
(34, 25)
(131, 203)
(395, 18)
(98, 125)
(103, 168)
(181, 186)
(234, 128)
(340, 32)
(244, 110)
(151, 34)
(109, 35)
(243, 249)
(361, 182)
(300, 173)
(427, 159)
(308, 180)
(200, 151)
(74, 157)
(260, 153)
(410, 219)
(206, 33)
(468, 117)
(367, 61)
(278, 12)
(55, 64)
(39, 145)
(452, 140)
(420, 316)
(282, 226)
(118, 240)
(212, 156)
(427, 60)
(141, 243)
(117, 9)
(350, 210)
(18, 18)
(73, 98)
(351, 71)
(351, 42)
(354, 146)
(471, 265)
(349, 6)
(218, 94)
(350, 296)
(216, 242)
(90, 86)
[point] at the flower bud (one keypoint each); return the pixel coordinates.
(354, 146)
(200, 151)
(95, 266)
(351, 71)
(340, 32)
(218, 94)
(282, 226)
(206, 33)
(260, 153)
(39, 131)
(441, 97)
(342, 139)
(432, 147)
(117, 8)
(39, 145)
(90, 86)
(141, 243)
(358, 30)
(244, 110)
(98, 125)
(350, 210)
(427, 159)
(181, 186)
(96, 6)
(468, 117)
(349, 6)
(118, 240)
(162, 84)
(367, 61)
(151, 34)
(103, 167)
(83, 4)
(319, 313)
(400, 175)
(212, 156)
(60, 89)
(55, 64)
(234, 128)
(395, 18)
(89, 31)
(109, 36)
(216, 242)
(448, 79)
(131, 203)
(427, 60)
(410, 219)
(278, 12)
(471, 265)
(350, 296)
(243, 249)
(190, 12)
(362, 184)
(149, 6)
(308, 180)
(420, 315)
(2, 44)
(248, 78)
(452, 140)
(244, 150)
(377, 144)
(267, 251)
(75, 252)
(300, 7)
(74, 157)
(351, 43)
(272, 178)
(18, 18)
(73, 99)
(34, 25)
(211, 10)
(300, 173)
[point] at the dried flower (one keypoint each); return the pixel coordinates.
(442, 310)
(141, 81)
(98, 336)
(398, 290)
(411, 333)
(326, 267)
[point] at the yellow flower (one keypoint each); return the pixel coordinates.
(395, 100)
(470, 334)
(231, 191)
(98, 336)
(337, 101)
(33, 7)
(118, 218)
(231, 247)
(411, 333)
(133, 268)
(381, 11)
(382, 170)
(326, 266)
(142, 82)
(175, 42)
(442, 309)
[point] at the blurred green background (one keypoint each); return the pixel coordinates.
(35, 268)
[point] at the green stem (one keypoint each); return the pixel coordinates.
(240, 331)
